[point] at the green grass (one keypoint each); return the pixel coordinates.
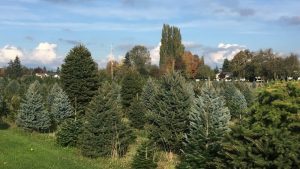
(22, 150)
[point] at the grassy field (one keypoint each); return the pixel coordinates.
(22, 150)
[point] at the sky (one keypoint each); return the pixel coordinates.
(42, 32)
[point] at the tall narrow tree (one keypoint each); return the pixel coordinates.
(79, 77)
(171, 49)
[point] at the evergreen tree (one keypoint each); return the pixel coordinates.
(269, 136)
(150, 90)
(247, 92)
(226, 66)
(1, 107)
(53, 92)
(104, 133)
(235, 101)
(131, 87)
(144, 158)
(127, 61)
(171, 49)
(13, 88)
(14, 68)
(68, 132)
(61, 108)
(209, 120)
(79, 77)
(169, 115)
(137, 113)
(32, 114)
(12, 98)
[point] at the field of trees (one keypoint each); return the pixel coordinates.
(137, 115)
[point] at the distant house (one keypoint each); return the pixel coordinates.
(226, 76)
(41, 75)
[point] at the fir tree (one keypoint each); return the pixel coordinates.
(149, 92)
(235, 101)
(131, 87)
(61, 107)
(137, 113)
(144, 158)
(68, 132)
(169, 115)
(79, 77)
(14, 68)
(32, 114)
(226, 66)
(127, 61)
(247, 92)
(269, 136)
(53, 92)
(209, 120)
(1, 107)
(104, 133)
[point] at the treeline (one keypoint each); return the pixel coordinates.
(265, 64)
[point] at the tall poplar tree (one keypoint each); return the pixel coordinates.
(79, 77)
(171, 49)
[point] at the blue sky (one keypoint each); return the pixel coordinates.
(41, 32)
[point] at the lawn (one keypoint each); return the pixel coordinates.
(23, 150)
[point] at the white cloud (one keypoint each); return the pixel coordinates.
(102, 62)
(9, 52)
(44, 54)
(154, 55)
(226, 46)
(216, 56)
(191, 45)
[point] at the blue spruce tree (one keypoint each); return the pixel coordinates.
(209, 120)
(32, 114)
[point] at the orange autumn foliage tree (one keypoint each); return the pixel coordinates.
(192, 63)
